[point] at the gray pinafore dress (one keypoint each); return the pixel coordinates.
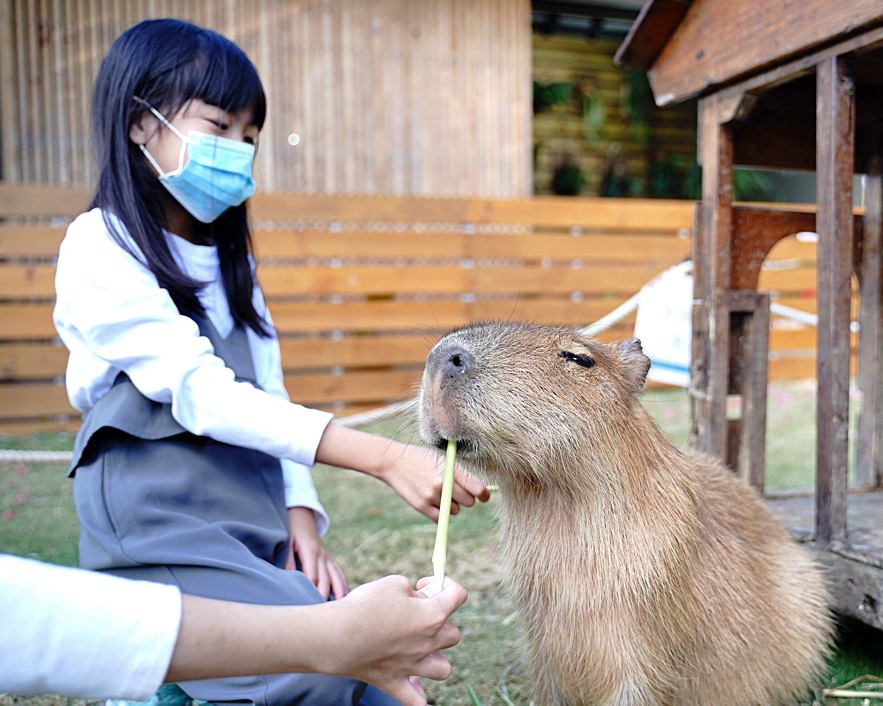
(157, 503)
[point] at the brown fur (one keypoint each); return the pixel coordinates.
(645, 575)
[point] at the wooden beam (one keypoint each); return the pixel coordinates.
(836, 146)
(755, 232)
(868, 464)
(856, 588)
(719, 41)
(649, 32)
(711, 257)
(749, 358)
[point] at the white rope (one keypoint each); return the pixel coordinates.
(13, 456)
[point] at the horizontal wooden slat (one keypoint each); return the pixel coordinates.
(412, 244)
(27, 281)
(368, 351)
(641, 215)
(356, 351)
(34, 401)
(431, 316)
(284, 281)
(293, 317)
(352, 387)
(359, 244)
(36, 426)
(796, 368)
(29, 200)
(797, 279)
(38, 281)
(26, 321)
(23, 362)
(791, 248)
(30, 241)
(605, 247)
(22, 321)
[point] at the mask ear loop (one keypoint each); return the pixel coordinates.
(173, 129)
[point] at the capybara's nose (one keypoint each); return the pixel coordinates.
(455, 362)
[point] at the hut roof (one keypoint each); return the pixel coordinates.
(689, 47)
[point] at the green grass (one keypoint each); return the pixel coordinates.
(374, 533)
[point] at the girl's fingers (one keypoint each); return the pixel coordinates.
(289, 560)
(471, 485)
(309, 563)
(323, 582)
(338, 580)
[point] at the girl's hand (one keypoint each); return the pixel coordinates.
(414, 472)
(315, 560)
(386, 634)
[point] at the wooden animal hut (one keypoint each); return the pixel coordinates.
(795, 86)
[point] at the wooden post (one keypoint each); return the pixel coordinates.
(749, 355)
(711, 262)
(870, 340)
(8, 118)
(835, 154)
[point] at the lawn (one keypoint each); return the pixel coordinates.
(373, 533)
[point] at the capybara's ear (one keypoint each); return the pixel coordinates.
(635, 363)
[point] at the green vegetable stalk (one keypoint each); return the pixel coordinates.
(440, 555)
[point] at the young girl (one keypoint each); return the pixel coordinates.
(190, 467)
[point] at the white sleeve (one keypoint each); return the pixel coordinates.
(82, 634)
(110, 306)
(299, 492)
(299, 489)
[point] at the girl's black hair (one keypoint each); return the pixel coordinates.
(168, 63)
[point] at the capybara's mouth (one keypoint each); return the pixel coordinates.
(464, 446)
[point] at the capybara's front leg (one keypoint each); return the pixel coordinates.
(548, 692)
(632, 691)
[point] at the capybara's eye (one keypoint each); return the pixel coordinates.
(578, 358)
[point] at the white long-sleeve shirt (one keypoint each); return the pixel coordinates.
(83, 634)
(113, 316)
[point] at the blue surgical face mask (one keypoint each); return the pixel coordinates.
(216, 176)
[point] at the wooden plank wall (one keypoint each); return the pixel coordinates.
(429, 98)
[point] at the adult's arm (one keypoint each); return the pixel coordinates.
(83, 634)
(89, 635)
(382, 633)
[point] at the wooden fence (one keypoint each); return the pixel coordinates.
(361, 287)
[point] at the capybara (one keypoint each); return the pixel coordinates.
(644, 575)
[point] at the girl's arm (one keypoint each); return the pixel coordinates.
(113, 316)
(414, 472)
